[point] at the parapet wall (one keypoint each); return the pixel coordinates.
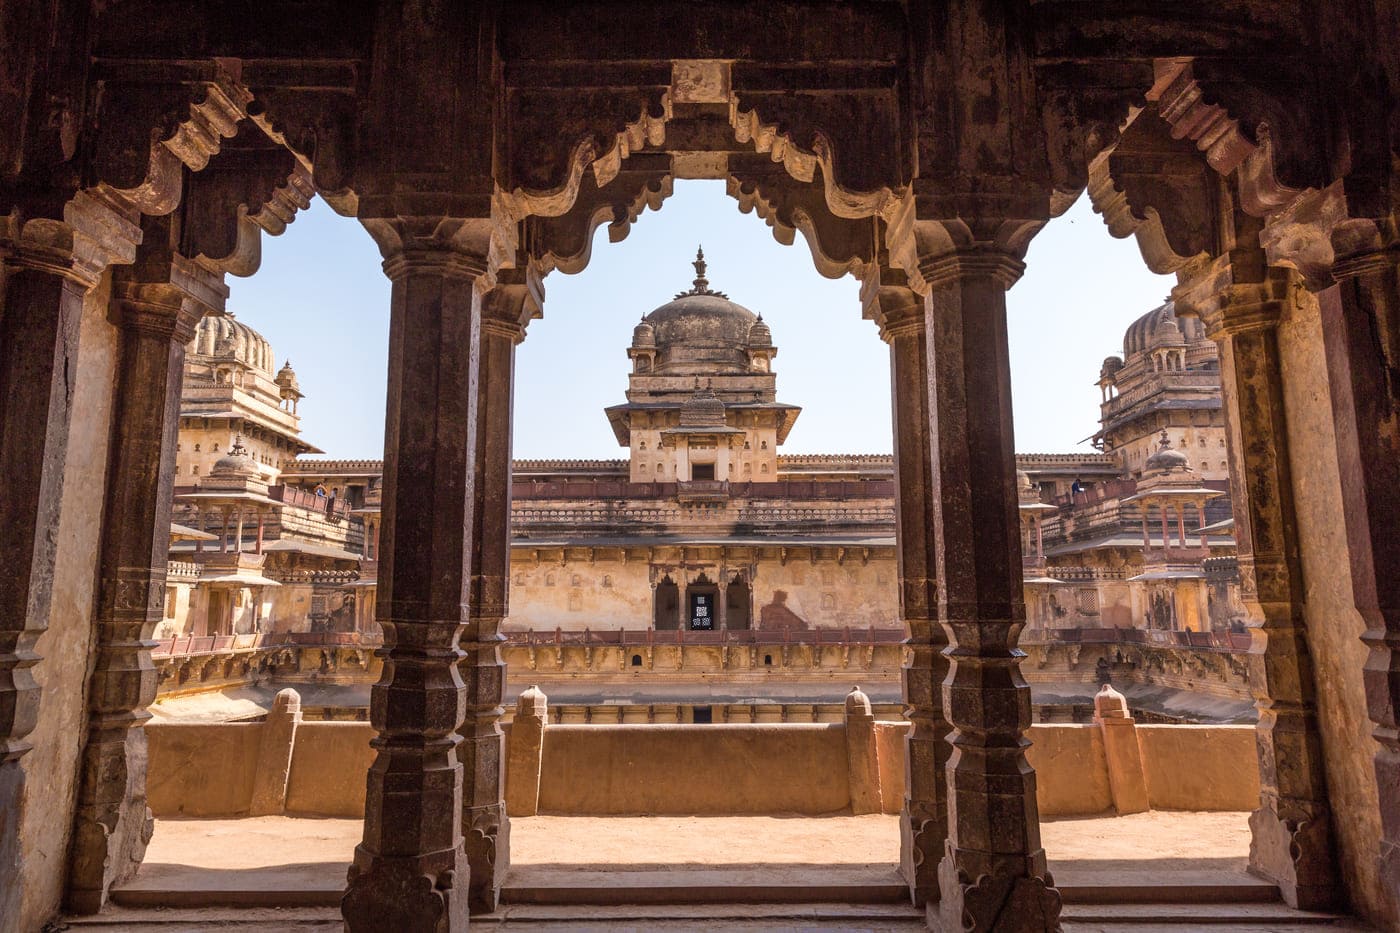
(204, 770)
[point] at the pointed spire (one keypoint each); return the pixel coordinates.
(701, 285)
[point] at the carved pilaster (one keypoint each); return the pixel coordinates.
(1241, 301)
(505, 311)
(923, 829)
(49, 267)
(993, 866)
(157, 319)
(410, 871)
(1361, 333)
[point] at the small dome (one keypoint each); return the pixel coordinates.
(1111, 366)
(644, 335)
(702, 410)
(1166, 459)
(701, 317)
(1023, 480)
(222, 335)
(759, 334)
(236, 462)
(286, 376)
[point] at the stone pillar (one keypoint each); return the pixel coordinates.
(275, 748)
(1126, 779)
(722, 610)
(47, 269)
(923, 822)
(156, 304)
(1361, 334)
(410, 871)
(994, 867)
(505, 310)
(526, 752)
(1291, 831)
(862, 758)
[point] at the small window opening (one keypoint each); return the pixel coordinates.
(768, 660)
(636, 660)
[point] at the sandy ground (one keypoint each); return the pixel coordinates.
(669, 842)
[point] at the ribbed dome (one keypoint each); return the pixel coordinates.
(701, 317)
(1161, 327)
(702, 410)
(222, 335)
(644, 335)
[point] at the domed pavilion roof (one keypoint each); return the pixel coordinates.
(1161, 327)
(701, 317)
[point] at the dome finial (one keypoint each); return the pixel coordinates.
(701, 285)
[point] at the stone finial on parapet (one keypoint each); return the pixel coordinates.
(279, 731)
(526, 752)
(1126, 778)
(1110, 704)
(862, 758)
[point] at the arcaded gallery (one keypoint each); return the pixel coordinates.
(723, 675)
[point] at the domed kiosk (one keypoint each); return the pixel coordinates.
(702, 398)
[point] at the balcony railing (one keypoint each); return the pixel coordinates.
(1218, 641)
(187, 645)
(650, 636)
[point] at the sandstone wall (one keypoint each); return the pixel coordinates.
(208, 770)
(51, 768)
(1334, 625)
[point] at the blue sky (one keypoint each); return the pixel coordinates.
(322, 300)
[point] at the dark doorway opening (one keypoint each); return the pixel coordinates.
(668, 603)
(702, 471)
(704, 715)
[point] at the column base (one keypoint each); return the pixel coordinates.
(1295, 854)
(110, 837)
(417, 893)
(991, 904)
(920, 842)
(486, 838)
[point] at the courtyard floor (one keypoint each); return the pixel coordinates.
(564, 870)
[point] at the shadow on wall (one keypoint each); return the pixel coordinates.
(776, 615)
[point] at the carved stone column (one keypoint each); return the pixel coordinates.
(1361, 333)
(923, 824)
(49, 266)
(156, 304)
(505, 311)
(1241, 304)
(410, 871)
(993, 868)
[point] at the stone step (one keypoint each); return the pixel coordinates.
(833, 886)
(1270, 916)
(1168, 887)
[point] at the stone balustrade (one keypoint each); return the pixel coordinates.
(285, 765)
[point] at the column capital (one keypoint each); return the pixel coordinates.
(940, 253)
(452, 247)
(92, 235)
(1228, 303)
(512, 303)
(887, 299)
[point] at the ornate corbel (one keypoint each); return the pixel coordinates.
(565, 241)
(153, 123)
(839, 245)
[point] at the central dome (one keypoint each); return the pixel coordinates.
(701, 317)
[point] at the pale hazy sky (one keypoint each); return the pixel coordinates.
(322, 300)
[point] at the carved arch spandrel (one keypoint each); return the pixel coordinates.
(555, 136)
(253, 186)
(1158, 189)
(839, 245)
(148, 132)
(565, 242)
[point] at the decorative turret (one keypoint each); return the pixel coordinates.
(1166, 459)
(236, 462)
(288, 387)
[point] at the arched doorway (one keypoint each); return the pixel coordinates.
(666, 606)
